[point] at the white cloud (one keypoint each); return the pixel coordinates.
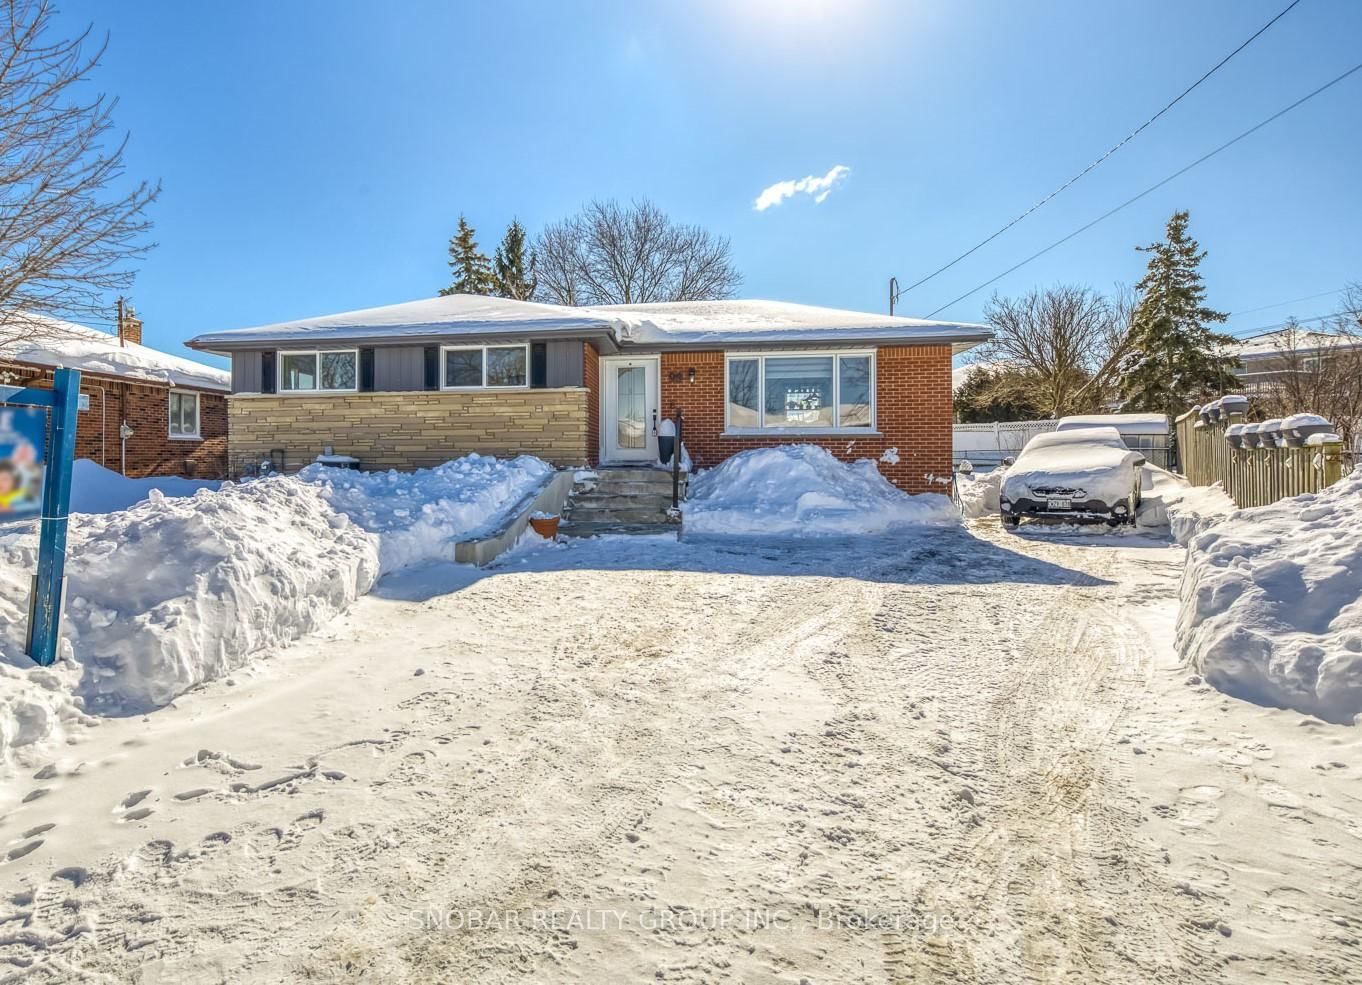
(819, 188)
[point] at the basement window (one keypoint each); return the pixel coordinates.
(486, 367)
(804, 391)
(184, 414)
(319, 372)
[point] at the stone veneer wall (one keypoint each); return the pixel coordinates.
(409, 430)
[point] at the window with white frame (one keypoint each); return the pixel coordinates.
(801, 391)
(318, 372)
(184, 414)
(486, 367)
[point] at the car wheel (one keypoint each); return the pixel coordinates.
(1011, 522)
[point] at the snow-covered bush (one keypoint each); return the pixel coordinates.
(802, 490)
(1272, 603)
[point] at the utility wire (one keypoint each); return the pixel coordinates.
(1152, 188)
(1278, 304)
(1241, 333)
(1124, 140)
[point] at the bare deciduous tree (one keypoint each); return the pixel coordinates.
(616, 254)
(1064, 340)
(1320, 372)
(65, 239)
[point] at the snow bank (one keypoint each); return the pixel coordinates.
(1272, 603)
(95, 489)
(173, 592)
(978, 493)
(803, 491)
(419, 515)
(1169, 500)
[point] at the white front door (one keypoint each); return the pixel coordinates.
(629, 397)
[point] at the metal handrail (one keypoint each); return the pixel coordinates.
(676, 460)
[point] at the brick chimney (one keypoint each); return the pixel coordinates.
(129, 326)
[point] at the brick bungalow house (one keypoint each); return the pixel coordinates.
(412, 385)
(176, 408)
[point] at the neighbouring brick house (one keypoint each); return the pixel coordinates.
(175, 408)
(416, 384)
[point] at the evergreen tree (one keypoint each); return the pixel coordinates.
(512, 268)
(1175, 360)
(472, 271)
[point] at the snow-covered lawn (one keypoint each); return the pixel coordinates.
(938, 754)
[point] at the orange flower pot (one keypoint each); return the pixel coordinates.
(545, 526)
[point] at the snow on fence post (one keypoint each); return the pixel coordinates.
(1253, 475)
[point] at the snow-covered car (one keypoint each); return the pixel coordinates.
(1082, 475)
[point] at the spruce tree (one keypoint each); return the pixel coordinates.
(512, 267)
(1175, 359)
(471, 269)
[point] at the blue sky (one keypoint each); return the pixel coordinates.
(315, 156)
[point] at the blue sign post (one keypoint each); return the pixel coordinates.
(17, 477)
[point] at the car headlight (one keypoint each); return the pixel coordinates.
(1120, 509)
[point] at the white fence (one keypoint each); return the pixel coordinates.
(989, 444)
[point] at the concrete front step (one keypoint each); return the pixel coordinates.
(628, 489)
(596, 529)
(598, 499)
(576, 515)
(621, 501)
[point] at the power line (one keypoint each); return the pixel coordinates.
(1278, 304)
(896, 294)
(1241, 333)
(1152, 188)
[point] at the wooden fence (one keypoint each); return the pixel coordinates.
(1254, 476)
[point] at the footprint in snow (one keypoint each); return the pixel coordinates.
(194, 794)
(74, 874)
(135, 798)
(25, 849)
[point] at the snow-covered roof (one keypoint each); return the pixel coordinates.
(1275, 343)
(1124, 423)
(454, 314)
(692, 323)
(62, 343)
(680, 324)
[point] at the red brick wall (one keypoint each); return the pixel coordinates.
(913, 414)
(146, 408)
(591, 377)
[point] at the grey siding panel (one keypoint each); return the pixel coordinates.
(246, 372)
(565, 363)
(399, 368)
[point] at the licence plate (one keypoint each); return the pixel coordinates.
(1059, 504)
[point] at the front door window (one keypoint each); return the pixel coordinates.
(631, 394)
